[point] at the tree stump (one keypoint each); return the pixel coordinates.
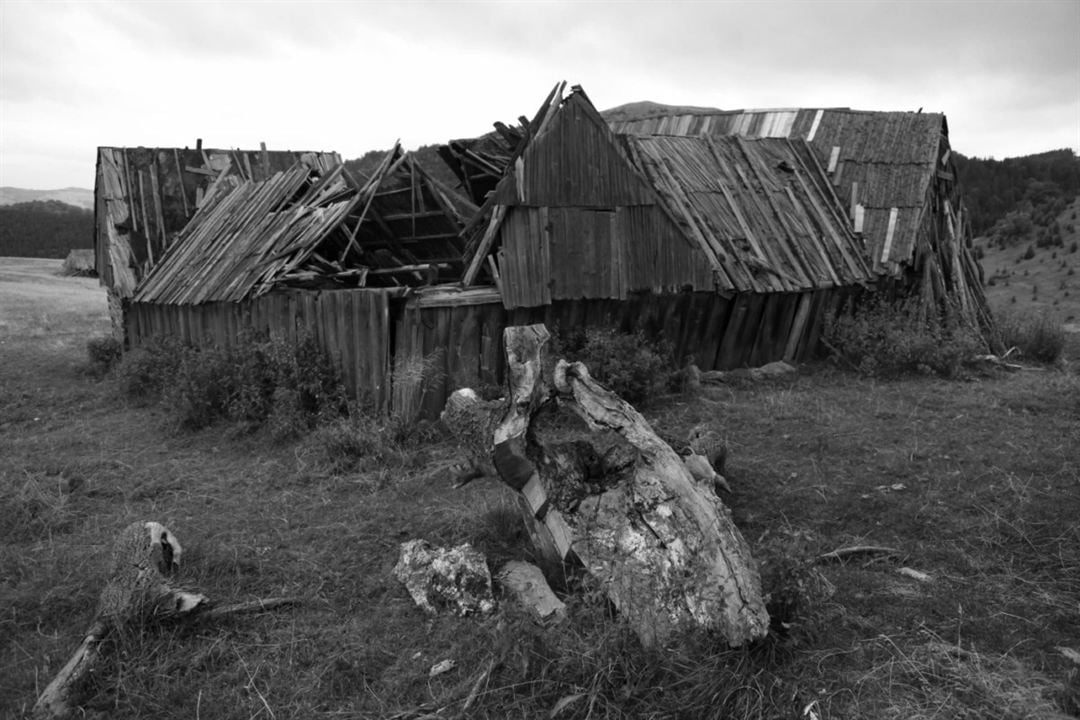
(620, 500)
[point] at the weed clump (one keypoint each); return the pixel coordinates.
(629, 364)
(1037, 336)
(256, 382)
(882, 340)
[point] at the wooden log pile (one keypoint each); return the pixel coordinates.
(616, 498)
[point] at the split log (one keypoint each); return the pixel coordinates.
(136, 591)
(621, 501)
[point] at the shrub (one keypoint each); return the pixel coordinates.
(104, 353)
(142, 373)
(628, 364)
(882, 340)
(1029, 253)
(1037, 336)
(256, 380)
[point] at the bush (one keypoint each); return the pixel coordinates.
(628, 364)
(104, 353)
(880, 340)
(1037, 337)
(142, 373)
(1029, 253)
(255, 381)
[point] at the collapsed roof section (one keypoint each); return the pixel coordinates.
(313, 228)
(479, 163)
(145, 196)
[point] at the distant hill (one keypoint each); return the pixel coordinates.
(79, 197)
(44, 229)
(647, 108)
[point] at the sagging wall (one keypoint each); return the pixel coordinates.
(406, 356)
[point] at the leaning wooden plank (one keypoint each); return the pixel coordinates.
(484, 247)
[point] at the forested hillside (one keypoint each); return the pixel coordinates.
(44, 228)
(1014, 200)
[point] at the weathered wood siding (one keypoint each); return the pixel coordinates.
(658, 257)
(352, 326)
(463, 344)
(525, 257)
(407, 355)
(575, 161)
(574, 253)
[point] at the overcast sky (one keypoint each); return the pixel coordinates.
(355, 76)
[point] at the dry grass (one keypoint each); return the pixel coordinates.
(976, 483)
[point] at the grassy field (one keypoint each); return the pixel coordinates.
(976, 483)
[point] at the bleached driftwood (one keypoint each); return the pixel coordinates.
(663, 546)
(137, 590)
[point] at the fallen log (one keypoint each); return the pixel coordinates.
(137, 591)
(620, 500)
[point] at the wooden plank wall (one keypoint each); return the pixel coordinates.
(406, 357)
(464, 344)
(352, 326)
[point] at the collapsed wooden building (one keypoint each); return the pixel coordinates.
(896, 179)
(304, 250)
(734, 249)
